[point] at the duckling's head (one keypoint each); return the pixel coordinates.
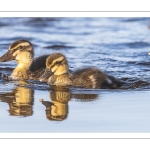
(56, 64)
(17, 51)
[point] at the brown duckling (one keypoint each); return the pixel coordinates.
(27, 68)
(57, 71)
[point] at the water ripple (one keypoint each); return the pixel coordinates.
(118, 46)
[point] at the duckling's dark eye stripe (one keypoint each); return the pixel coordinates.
(20, 47)
(14, 49)
(27, 48)
(57, 62)
(52, 65)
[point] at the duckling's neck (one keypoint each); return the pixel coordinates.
(22, 69)
(60, 80)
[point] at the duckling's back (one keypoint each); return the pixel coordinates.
(94, 78)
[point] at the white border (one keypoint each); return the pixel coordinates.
(74, 5)
(75, 135)
(74, 14)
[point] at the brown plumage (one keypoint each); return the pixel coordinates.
(37, 67)
(57, 70)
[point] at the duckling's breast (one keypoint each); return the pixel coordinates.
(60, 80)
(20, 74)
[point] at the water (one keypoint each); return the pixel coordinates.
(118, 46)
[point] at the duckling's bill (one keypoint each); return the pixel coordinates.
(46, 75)
(7, 56)
(148, 53)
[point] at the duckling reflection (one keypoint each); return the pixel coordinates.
(85, 97)
(20, 101)
(58, 109)
(4, 77)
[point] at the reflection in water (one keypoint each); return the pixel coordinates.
(57, 109)
(20, 101)
(4, 77)
(85, 97)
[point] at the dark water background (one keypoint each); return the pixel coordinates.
(118, 46)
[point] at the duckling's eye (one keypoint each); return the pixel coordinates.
(57, 62)
(20, 47)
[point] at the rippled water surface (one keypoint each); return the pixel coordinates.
(118, 46)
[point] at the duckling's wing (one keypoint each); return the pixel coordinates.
(94, 78)
(79, 72)
(87, 78)
(38, 63)
(38, 66)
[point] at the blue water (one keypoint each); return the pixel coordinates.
(118, 46)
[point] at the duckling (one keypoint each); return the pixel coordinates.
(58, 73)
(27, 68)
